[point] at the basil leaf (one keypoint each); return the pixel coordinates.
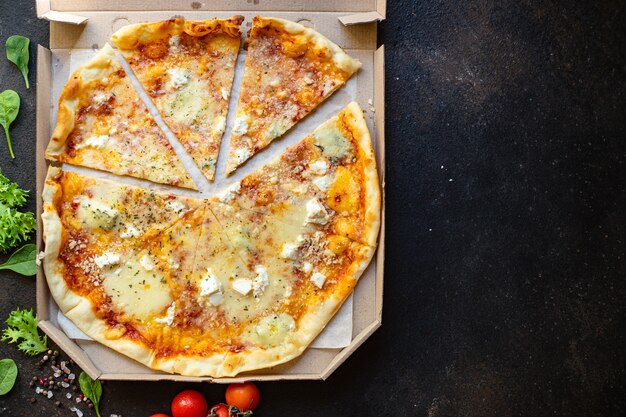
(23, 261)
(8, 375)
(92, 390)
(17, 53)
(9, 107)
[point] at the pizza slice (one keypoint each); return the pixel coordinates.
(290, 69)
(97, 213)
(327, 182)
(103, 124)
(126, 296)
(187, 68)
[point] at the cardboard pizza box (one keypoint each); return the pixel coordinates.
(88, 24)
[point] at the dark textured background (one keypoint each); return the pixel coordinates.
(506, 228)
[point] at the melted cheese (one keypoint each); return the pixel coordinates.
(333, 144)
(271, 330)
(137, 292)
(343, 195)
(97, 142)
(95, 214)
(190, 104)
(241, 126)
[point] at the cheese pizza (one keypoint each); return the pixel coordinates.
(103, 124)
(289, 70)
(187, 68)
(216, 287)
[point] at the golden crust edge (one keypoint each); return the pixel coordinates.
(310, 325)
(370, 172)
(129, 36)
(104, 62)
(340, 57)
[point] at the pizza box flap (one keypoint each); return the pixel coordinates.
(352, 11)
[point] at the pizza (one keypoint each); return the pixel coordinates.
(208, 285)
(187, 68)
(103, 124)
(290, 69)
(215, 287)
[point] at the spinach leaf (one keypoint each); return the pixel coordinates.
(23, 261)
(8, 375)
(17, 53)
(9, 107)
(92, 390)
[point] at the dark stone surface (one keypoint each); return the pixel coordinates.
(504, 291)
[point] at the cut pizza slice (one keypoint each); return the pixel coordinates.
(95, 214)
(104, 124)
(327, 182)
(187, 68)
(129, 302)
(290, 69)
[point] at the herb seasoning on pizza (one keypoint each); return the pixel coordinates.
(216, 287)
(289, 70)
(103, 124)
(187, 68)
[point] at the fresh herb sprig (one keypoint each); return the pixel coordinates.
(8, 375)
(9, 108)
(92, 388)
(15, 226)
(17, 53)
(23, 261)
(23, 331)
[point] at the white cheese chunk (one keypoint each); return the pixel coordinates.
(288, 292)
(216, 299)
(220, 125)
(131, 231)
(307, 267)
(209, 284)
(316, 213)
(318, 167)
(176, 206)
(318, 279)
(242, 155)
(242, 285)
(178, 77)
(289, 251)
(308, 80)
(146, 262)
(261, 281)
(323, 183)
(231, 192)
(97, 142)
(224, 93)
(101, 98)
(107, 259)
(169, 318)
(174, 40)
(240, 127)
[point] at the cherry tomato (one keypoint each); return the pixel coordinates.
(189, 403)
(244, 396)
(159, 415)
(219, 410)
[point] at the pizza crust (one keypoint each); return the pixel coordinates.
(356, 119)
(130, 36)
(344, 61)
(99, 67)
